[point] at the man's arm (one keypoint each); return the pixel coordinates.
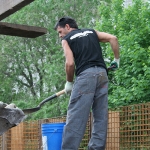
(69, 65)
(105, 37)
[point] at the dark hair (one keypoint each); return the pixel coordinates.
(66, 20)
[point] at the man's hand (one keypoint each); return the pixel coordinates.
(68, 87)
(115, 63)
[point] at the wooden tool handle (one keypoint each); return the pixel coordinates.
(60, 93)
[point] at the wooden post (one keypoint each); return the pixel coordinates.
(113, 131)
(4, 140)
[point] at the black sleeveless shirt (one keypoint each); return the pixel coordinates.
(86, 49)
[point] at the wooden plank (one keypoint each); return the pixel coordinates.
(21, 30)
(8, 7)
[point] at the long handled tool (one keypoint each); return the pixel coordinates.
(31, 110)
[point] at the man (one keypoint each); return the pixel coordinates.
(90, 90)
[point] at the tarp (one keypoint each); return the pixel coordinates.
(10, 117)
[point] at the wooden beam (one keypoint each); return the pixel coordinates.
(21, 30)
(8, 7)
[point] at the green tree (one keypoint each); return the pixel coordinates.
(130, 84)
(35, 67)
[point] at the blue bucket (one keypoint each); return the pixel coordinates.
(52, 135)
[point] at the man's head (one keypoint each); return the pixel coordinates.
(65, 25)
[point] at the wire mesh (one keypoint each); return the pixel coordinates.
(128, 129)
(135, 127)
(27, 135)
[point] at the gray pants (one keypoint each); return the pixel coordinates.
(90, 91)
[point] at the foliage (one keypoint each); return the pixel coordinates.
(33, 69)
(130, 84)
